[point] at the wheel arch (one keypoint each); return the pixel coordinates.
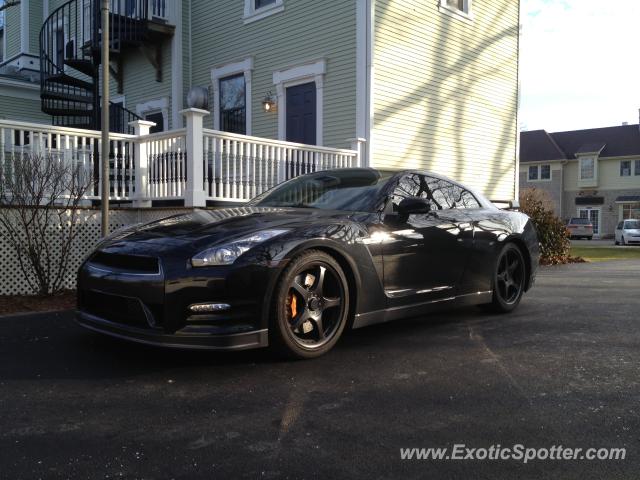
(522, 246)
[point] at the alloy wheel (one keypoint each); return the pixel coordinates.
(510, 276)
(315, 305)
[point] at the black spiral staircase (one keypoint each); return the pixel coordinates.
(70, 45)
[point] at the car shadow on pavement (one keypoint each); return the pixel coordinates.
(52, 345)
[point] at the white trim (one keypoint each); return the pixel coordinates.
(17, 89)
(246, 67)
(24, 26)
(516, 173)
(363, 76)
(599, 210)
(23, 61)
(177, 82)
(539, 170)
(588, 182)
(154, 106)
(466, 14)
(371, 80)
(298, 75)
(251, 14)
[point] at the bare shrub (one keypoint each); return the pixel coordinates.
(40, 197)
(552, 232)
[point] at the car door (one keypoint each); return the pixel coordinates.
(424, 255)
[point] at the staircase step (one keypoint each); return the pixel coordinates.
(64, 79)
(66, 112)
(85, 66)
(69, 97)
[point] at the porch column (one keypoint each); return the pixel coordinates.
(141, 155)
(194, 195)
(358, 144)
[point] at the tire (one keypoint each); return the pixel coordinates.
(589, 238)
(616, 242)
(508, 280)
(311, 306)
(622, 241)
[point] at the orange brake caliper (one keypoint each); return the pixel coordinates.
(294, 305)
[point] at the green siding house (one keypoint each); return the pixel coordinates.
(429, 85)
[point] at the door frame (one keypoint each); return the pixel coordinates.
(599, 210)
(298, 75)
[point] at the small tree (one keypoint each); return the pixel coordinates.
(39, 200)
(552, 232)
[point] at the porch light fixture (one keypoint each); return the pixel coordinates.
(269, 103)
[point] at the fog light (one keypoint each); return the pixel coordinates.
(209, 307)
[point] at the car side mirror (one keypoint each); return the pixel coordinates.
(413, 205)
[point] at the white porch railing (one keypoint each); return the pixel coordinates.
(193, 164)
(239, 167)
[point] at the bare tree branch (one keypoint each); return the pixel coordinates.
(39, 208)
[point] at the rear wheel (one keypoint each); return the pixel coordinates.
(311, 306)
(508, 279)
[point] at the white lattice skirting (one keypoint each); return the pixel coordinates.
(12, 280)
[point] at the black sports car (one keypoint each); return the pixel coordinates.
(303, 261)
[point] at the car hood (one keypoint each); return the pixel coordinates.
(204, 228)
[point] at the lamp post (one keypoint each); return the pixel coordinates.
(104, 153)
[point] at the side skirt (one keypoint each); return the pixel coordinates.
(416, 309)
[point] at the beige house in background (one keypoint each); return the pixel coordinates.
(592, 173)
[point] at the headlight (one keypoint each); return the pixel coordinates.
(229, 253)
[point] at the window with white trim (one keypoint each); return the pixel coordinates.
(631, 211)
(257, 9)
(232, 96)
(625, 168)
(539, 172)
(636, 168)
(460, 7)
(587, 168)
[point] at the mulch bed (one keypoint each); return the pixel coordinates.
(10, 304)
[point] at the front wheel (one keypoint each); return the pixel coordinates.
(508, 279)
(622, 241)
(311, 306)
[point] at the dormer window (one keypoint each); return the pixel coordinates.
(587, 169)
(257, 9)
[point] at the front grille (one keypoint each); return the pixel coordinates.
(115, 308)
(118, 262)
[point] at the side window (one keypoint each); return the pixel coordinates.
(620, 225)
(442, 195)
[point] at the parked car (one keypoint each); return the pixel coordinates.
(580, 228)
(628, 232)
(300, 263)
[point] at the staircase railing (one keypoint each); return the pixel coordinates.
(70, 40)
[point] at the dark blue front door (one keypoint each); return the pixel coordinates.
(301, 113)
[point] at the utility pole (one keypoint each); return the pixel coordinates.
(104, 153)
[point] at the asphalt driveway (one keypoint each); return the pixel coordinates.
(562, 370)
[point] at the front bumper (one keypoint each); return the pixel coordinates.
(179, 339)
(117, 297)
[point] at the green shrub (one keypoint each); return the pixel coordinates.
(552, 232)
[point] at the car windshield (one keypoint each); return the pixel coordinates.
(580, 221)
(632, 225)
(348, 189)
